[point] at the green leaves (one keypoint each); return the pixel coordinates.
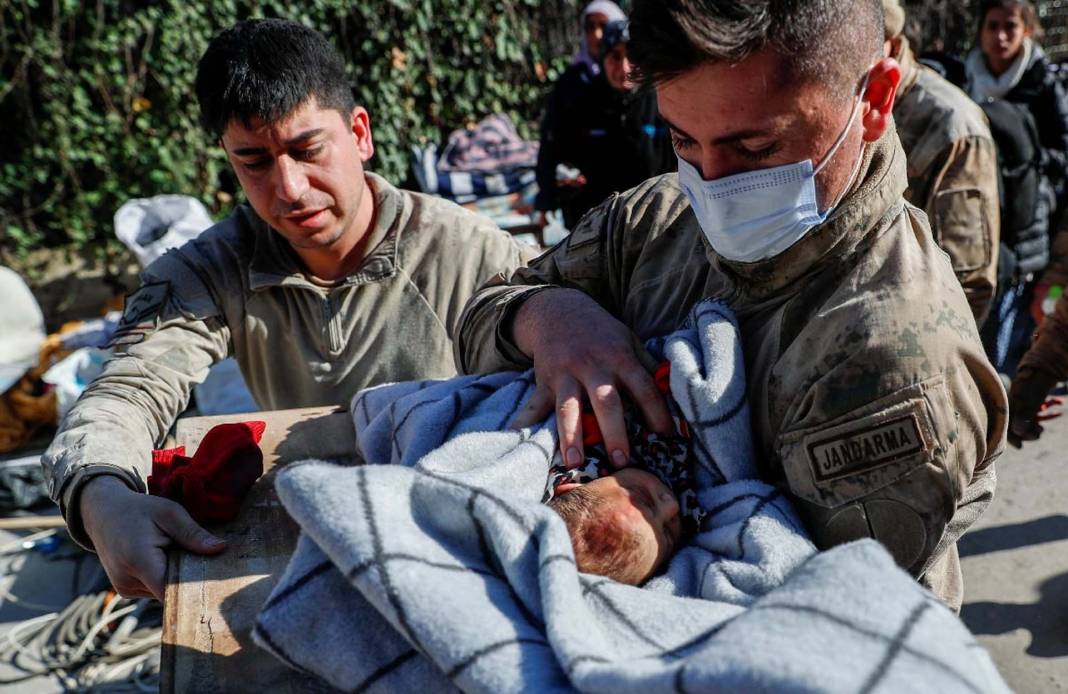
(98, 106)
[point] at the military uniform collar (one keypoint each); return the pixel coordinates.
(275, 264)
(864, 210)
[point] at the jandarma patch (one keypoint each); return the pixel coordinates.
(145, 304)
(866, 448)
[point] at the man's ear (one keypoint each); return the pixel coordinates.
(883, 79)
(361, 130)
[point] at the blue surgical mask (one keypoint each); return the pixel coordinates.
(757, 215)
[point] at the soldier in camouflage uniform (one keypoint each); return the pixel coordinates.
(952, 166)
(873, 404)
(330, 281)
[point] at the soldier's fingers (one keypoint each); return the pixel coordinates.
(569, 420)
(176, 523)
(642, 354)
(608, 409)
(153, 573)
(650, 402)
(131, 588)
(537, 408)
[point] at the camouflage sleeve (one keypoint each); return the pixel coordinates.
(965, 218)
(170, 334)
(490, 253)
(896, 433)
(1049, 351)
(578, 262)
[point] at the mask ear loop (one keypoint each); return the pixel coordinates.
(838, 143)
(845, 131)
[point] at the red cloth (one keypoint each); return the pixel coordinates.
(211, 484)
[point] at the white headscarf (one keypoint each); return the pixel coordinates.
(608, 9)
(982, 85)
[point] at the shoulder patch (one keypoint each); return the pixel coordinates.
(140, 314)
(961, 228)
(839, 461)
(864, 446)
(145, 304)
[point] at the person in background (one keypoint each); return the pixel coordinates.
(952, 166)
(612, 135)
(1007, 65)
(327, 281)
(1041, 368)
(555, 178)
(595, 16)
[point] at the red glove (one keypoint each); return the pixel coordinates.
(211, 484)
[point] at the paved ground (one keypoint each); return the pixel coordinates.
(1015, 569)
(1015, 562)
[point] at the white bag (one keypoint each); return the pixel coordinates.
(151, 226)
(21, 329)
(73, 374)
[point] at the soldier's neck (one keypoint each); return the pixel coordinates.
(340, 258)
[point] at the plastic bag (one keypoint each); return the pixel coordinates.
(21, 329)
(151, 226)
(70, 376)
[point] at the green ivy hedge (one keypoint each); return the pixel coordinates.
(97, 104)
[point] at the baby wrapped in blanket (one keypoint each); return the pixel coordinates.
(434, 567)
(626, 523)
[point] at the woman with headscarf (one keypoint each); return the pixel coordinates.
(594, 18)
(1008, 64)
(1010, 76)
(555, 177)
(612, 134)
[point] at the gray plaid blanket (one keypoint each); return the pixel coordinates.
(435, 567)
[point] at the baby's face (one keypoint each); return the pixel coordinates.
(638, 501)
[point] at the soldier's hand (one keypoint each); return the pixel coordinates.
(131, 532)
(1027, 395)
(580, 352)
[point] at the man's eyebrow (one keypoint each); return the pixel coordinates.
(722, 139)
(306, 135)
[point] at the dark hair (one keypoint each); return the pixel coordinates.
(1027, 11)
(830, 41)
(266, 68)
(601, 546)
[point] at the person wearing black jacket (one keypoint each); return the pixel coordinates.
(605, 138)
(1008, 70)
(1008, 64)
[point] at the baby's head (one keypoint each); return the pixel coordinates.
(624, 526)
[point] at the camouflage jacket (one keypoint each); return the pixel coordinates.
(873, 404)
(952, 175)
(239, 290)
